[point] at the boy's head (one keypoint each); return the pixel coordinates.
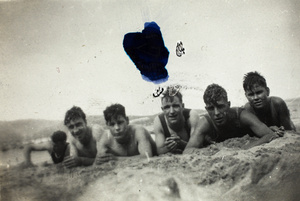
(170, 93)
(217, 104)
(116, 120)
(59, 139)
(253, 78)
(172, 105)
(75, 120)
(256, 90)
(74, 113)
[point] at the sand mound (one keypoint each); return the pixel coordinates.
(219, 172)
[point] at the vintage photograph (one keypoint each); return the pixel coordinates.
(149, 100)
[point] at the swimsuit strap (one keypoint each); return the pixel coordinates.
(186, 115)
(164, 125)
(212, 124)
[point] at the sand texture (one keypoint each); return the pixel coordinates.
(219, 172)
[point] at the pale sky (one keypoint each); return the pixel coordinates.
(56, 54)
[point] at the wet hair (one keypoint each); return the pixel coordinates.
(58, 136)
(214, 93)
(170, 93)
(74, 113)
(252, 78)
(114, 111)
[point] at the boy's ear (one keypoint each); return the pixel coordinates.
(127, 119)
(229, 103)
(182, 105)
(268, 91)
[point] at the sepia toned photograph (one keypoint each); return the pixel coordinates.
(149, 100)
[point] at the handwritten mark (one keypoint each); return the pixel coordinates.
(179, 49)
(57, 69)
(158, 91)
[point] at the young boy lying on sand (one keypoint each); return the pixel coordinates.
(271, 110)
(58, 149)
(123, 139)
(223, 122)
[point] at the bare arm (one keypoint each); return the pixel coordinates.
(46, 146)
(197, 136)
(74, 160)
(284, 114)
(102, 150)
(259, 129)
(143, 140)
(160, 138)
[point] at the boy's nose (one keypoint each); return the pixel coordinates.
(216, 111)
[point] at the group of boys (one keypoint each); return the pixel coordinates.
(177, 129)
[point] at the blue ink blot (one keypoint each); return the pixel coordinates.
(148, 53)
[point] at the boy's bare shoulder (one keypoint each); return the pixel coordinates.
(247, 106)
(277, 100)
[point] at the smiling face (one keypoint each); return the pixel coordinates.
(258, 96)
(218, 111)
(78, 128)
(118, 127)
(172, 109)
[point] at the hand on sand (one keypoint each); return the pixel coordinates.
(26, 164)
(71, 161)
(278, 131)
(172, 142)
(100, 159)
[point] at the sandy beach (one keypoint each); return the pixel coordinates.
(219, 172)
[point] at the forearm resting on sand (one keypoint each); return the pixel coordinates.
(73, 161)
(265, 139)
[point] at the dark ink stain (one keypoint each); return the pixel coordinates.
(148, 52)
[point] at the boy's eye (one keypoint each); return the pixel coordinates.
(221, 107)
(166, 107)
(78, 124)
(71, 127)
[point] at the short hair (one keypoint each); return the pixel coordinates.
(170, 93)
(58, 136)
(252, 78)
(114, 111)
(74, 113)
(214, 93)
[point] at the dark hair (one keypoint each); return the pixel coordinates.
(114, 111)
(74, 113)
(58, 136)
(213, 93)
(170, 93)
(252, 78)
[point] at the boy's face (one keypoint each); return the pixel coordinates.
(258, 96)
(78, 128)
(172, 109)
(218, 111)
(58, 147)
(118, 127)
